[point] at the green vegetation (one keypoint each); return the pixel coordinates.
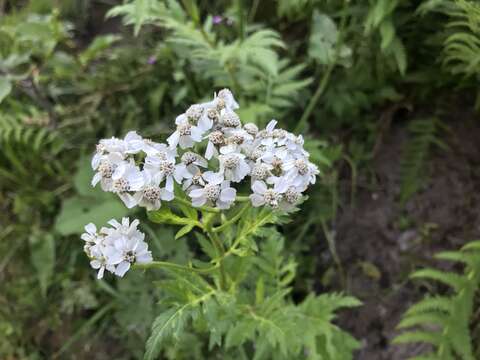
(346, 74)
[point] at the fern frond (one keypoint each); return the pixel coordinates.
(434, 318)
(444, 321)
(419, 336)
(437, 303)
(413, 167)
(453, 280)
(462, 47)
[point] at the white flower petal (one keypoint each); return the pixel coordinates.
(91, 228)
(257, 200)
(122, 268)
(228, 194)
(259, 187)
(173, 139)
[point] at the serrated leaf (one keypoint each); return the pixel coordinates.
(165, 216)
(448, 278)
(98, 45)
(239, 333)
(400, 55)
(184, 231)
(418, 336)
(168, 324)
(206, 246)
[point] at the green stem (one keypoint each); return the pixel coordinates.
(168, 265)
(326, 76)
(242, 198)
(220, 252)
(233, 220)
(313, 101)
(253, 10)
(217, 244)
(241, 20)
(333, 251)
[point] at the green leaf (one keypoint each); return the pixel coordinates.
(239, 333)
(387, 31)
(260, 291)
(400, 55)
(5, 87)
(42, 256)
(448, 278)
(184, 231)
(83, 178)
(206, 246)
(97, 47)
(170, 323)
(78, 211)
(323, 38)
(165, 216)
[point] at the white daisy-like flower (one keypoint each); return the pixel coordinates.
(162, 168)
(130, 144)
(233, 165)
(230, 119)
(300, 172)
(236, 140)
(127, 178)
(94, 249)
(186, 134)
(260, 171)
(151, 194)
(215, 139)
(262, 195)
(276, 158)
(190, 166)
(251, 128)
(216, 191)
(190, 158)
(193, 181)
(117, 248)
(152, 148)
(290, 198)
(105, 166)
(227, 96)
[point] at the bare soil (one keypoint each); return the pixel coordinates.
(380, 243)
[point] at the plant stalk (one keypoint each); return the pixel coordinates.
(168, 265)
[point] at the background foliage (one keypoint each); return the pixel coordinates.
(342, 72)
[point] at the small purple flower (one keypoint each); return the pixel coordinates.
(217, 19)
(152, 60)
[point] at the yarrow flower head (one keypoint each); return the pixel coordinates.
(115, 248)
(209, 151)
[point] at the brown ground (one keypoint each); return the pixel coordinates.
(444, 215)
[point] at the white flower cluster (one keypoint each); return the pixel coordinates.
(143, 172)
(115, 249)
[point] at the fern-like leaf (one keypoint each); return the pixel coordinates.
(444, 321)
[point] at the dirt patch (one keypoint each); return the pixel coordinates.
(380, 243)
